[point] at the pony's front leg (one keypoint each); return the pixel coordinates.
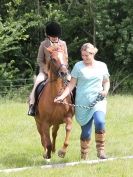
(44, 131)
(62, 152)
(48, 143)
(41, 132)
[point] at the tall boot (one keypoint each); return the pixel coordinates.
(32, 110)
(100, 145)
(84, 148)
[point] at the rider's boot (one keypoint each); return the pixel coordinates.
(32, 110)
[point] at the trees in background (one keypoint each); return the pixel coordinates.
(105, 23)
(115, 40)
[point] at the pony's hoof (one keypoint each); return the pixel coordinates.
(46, 158)
(61, 153)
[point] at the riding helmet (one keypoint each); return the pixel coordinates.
(53, 29)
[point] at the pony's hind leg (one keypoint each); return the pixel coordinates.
(54, 135)
(62, 152)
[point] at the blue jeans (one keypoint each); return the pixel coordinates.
(99, 122)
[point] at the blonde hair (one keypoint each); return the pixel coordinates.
(89, 48)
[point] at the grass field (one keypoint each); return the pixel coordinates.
(20, 142)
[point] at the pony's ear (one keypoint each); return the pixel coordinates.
(49, 49)
(47, 53)
(62, 48)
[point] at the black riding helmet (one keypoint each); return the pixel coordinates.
(53, 29)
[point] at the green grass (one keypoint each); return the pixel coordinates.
(20, 142)
(119, 168)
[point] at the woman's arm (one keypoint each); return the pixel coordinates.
(106, 86)
(67, 90)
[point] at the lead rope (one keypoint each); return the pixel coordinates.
(99, 98)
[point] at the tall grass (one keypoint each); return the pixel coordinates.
(20, 142)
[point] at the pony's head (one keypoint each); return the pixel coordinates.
(58, 61)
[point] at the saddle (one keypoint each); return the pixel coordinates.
(38, 91)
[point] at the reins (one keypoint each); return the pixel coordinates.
(99, 98)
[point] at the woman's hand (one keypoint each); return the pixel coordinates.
(104, 93)
(106, 86)
(67, 91)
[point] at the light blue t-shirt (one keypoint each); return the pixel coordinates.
(89, 84)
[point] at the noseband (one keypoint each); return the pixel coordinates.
(56, 70)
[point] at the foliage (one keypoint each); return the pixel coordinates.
(11, 33)
(114, 36)
(15, 41)
(107, 24)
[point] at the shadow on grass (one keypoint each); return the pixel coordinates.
(22, 160)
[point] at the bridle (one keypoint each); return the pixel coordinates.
(56, 70)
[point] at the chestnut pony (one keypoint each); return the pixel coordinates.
(50, 114)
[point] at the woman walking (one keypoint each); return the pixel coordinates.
(90, 77)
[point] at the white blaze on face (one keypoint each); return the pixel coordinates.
(60, 56)
(63, 68)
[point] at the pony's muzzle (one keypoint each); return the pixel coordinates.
(63, 71)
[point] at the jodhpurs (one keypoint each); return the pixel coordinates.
(99, 122)
(40, 77)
